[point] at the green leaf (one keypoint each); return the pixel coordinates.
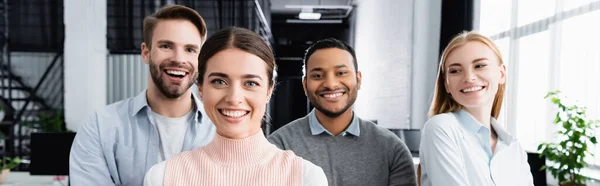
(556, 100)
(593, 140)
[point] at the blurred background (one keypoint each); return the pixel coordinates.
(62, 59)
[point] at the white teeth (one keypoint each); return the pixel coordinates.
(173, 72)
(234, 113)
(472, 89)
(333, 95)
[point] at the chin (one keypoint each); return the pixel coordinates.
(234, 132)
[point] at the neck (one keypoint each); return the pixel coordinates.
(482, 115)
(335, 125)
(169, 107)
(249, 151)
(242, 135)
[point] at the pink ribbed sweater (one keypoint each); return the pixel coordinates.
(252, 161)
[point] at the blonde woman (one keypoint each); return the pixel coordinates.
(462, 142)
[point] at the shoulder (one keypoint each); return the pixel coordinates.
(371, 130)
(114, 113)
(155, 174)
(445, 123)
(389, 141)
(313, 174)
(293, 128)
(107, 117)
(186, 156)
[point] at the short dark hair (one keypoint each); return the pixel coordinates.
(172, 12)
(240, 38)
(329, 43)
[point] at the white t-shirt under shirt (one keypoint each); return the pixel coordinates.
(171, 132)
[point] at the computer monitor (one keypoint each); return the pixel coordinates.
(535, 164)
(50, 153)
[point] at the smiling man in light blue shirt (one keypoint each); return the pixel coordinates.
(116, 145)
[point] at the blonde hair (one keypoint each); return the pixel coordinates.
(442, 101)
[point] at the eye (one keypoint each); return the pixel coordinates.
(165, 46)
(191, 50)
(341, 73)
(218, 82)
(316, 76)
(252, 84)
(480, 65)
(454, 71)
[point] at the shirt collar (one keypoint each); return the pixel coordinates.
(317, 128)
(503, 135)
(473, 126)
(140, 103)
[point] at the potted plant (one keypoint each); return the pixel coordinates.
(50, 145)
(7, 164)
(569, 154)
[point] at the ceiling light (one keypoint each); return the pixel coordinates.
(309, 15)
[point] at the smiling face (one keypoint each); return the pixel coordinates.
(331, 83)
(473, 75)
(173, 58)
(235, 91)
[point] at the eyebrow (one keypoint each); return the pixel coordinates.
(321, 69)
(169, 42)
(250, 76)
(341, 66)
(316, 69)
(474, 61)
(245, 76)
(218, 74)
(165, 42)
(194, 46)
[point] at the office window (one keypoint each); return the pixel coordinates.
(580, 64)
(553, 45)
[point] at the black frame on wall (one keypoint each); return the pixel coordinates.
(457, 16)
(125, 18)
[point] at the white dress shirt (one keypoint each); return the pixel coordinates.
(455, 151)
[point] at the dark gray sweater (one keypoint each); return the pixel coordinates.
(375, 158)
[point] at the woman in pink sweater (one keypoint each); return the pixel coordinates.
(235, 81)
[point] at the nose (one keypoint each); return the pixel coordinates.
(331, 82)
(179, 55)
(234, 95)
(469, 75)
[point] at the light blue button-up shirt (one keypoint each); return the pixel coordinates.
(455, 151)
(316, 128)
(119, 143)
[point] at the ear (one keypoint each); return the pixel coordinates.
(502, 74)
(304, 86)
(145, 53)
(358, 80)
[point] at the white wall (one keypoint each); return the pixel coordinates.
(85, 59)
(396, 44)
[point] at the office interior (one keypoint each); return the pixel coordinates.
(63, 59)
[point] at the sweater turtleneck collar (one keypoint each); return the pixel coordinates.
(249, 151)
